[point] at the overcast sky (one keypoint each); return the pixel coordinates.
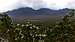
(6, 5)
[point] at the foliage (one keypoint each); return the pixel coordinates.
(64, 31)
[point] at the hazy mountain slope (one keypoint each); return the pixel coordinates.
(43, 14)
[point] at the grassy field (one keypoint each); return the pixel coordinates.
(42, 19)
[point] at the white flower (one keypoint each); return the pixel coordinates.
(69, 24)
(20, 32)
(14, 31)
(37, 27)
(40, 34)
(57, 22)
(22, 25)
(22, 36)
(15, 38)
(27, 25)
(56, 26)
(30, 24)
(34, 26)
(36, 34)
(31, 34)
(18, 24)
(51, 30)
(31, 27)
(44, 35)
(17, 29)
(8, 30)
(41, 40)
(66, 34)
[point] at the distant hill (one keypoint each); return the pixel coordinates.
(41, 14)
(43, 11)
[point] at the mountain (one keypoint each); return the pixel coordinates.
(52, 12)
(41, 14)
(43, 11)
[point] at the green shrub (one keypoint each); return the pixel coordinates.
(63, 31)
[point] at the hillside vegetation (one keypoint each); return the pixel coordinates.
(63, 31)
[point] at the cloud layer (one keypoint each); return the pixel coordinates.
(6, 5)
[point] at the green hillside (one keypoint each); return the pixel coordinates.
(61, 31)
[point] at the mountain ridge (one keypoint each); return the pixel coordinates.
(42, 14)
(42, 11)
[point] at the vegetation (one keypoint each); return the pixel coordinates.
(63, 31)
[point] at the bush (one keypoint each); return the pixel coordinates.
(63, 31)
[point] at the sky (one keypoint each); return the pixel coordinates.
(8, 5)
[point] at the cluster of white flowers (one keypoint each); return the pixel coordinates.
(3, 40)
(44, 35)
(20, 33)
(17, 29)
(33, 32)
(22, 36)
